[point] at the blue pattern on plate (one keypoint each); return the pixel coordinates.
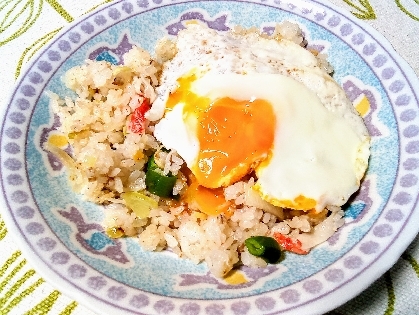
(107, 56)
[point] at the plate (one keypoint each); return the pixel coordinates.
(62, 234)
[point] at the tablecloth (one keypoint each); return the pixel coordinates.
(27, 25)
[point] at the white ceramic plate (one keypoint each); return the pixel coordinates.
(62, 234)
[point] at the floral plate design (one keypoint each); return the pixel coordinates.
(62, 234)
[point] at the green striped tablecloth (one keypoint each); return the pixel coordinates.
(27, 25)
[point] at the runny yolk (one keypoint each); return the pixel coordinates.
(234, 136)
(207, 200)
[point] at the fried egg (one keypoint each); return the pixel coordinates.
(238, 105)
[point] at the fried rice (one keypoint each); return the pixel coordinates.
(107, 160)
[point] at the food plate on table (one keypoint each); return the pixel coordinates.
(63, 233)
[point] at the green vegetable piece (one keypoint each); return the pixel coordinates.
(264, 247)
(151, 164)
(158, 183)
(139, 203)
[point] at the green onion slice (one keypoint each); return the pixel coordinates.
(158, 183)
(264, 247)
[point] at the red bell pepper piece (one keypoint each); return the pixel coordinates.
(138, 121)
(289, 244)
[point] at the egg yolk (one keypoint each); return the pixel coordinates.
(234, 135)
(206, 200)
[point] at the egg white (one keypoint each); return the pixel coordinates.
(321, 145)
(314, 152)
